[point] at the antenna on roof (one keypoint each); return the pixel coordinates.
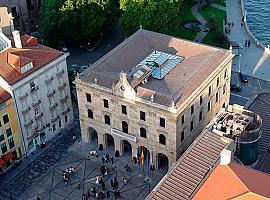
(140, 26)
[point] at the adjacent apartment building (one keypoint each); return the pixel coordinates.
(10, 136)
(153, 91)
(36, 77)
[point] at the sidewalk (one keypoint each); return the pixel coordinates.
(26, 161)
(254, 61)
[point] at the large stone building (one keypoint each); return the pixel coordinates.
(37, 79)
(153, 91)
(6, 21)
(10, 136)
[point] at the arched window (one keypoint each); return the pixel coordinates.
(124, 127)
(107, 120)
(90, 114)
(143, 132)
(162, 139)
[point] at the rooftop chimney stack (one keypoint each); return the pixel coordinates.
(17, 39)
(225, 157)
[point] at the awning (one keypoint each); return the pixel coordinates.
(2, 163)
(9, 156)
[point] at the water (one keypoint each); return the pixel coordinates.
(258, 18)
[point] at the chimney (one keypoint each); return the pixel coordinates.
(225, 157)
(17, 39)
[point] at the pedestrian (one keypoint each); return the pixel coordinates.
(243, 19)
(112, 184)
(108, 194)
(229, 30)
(107, 157)
(115, 194)
(245, 43)
(103, 160)
(38, 198)
(125, 180)
(74, 136)
(103, 185)
(79, 186)
(232, 24)
(10, 196)
(116, 185)
(242, 24)
(118, 194)
(249, 43)
(229, 24)
(112, 159)
(97, 196)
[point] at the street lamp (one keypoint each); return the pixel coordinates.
(239, 64)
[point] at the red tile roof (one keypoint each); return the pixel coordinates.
(191, 169)
(4, 95)
(233, 181)
(200, 61)
(12, 59)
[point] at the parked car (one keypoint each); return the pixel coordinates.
(243, 77)
(236, 87)
(65, 50)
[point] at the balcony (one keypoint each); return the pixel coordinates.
(64, 99)
(65, 111)
(26, 109)
(62, 85)
(53, 105)
(28, 123)
(48, 79)
(60, 72)
(33, 88)
(22, 96)
(123, 135)
(38, 116)
(50, 93)
(35, 132)
(35, 103)
(54, 119)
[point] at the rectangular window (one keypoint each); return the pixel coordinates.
(162, 122)
(53, 127)
(200, 116)
(209, 90)
(11, 143)
(201, 100)
(209, 106)
(90, 113)
(106, 103)
(88, 97)
(66, 118)
(217, 81)
(60, 123)
(4, 147)
(191, 125)
(124, 109)
(182, 136)
(8, 132)
(142, 115)
(2, 137)
(192, 109)
(5, 118)
(183, 119)
(217, 97)
(224, 88)
(225, 74)
(0, 124)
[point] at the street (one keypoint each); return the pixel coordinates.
(248, 89)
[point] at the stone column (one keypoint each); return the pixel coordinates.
(101, 139)
(134, 150)
(118, 145)
(84, 132)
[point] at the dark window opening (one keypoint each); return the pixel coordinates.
(201, 100)
(162, 122)
(124, 109)
(162, 139)
(217, 97)
(8, 132)
(218, 81)
(5, 118)
(192, 109)
(209, 90)
(183, 119)
(182, 136)
(200, 116)
(88, 97)
(106, 103)
(209, 106)
(191, 125)
(124, 127)
(90, 114)
(107, 120)
(143, 132)
(142, 115)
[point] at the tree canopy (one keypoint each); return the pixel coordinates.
(76, 20)
(156, 15)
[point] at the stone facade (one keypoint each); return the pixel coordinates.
(6, 21)
(173, 147)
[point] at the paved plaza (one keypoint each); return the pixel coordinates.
(44, 177)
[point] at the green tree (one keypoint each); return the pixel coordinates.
(156, 15)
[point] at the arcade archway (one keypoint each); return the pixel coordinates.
(109, 141)
(93, 136)
(126, 148)
(163, 162)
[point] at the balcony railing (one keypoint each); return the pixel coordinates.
(65, 111)
(62, 85)
(28, 123)
(38, 116)
(35, 103)
(61, 71)
(26, 109)
(53, 106)
(64, 99)
(124, 135)
(22, 96)
(48, 79)
(50, 93)
(54, 119)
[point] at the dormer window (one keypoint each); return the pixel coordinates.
(26, 67)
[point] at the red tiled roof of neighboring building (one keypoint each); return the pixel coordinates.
(12, 59)
(233, 181)
(199, 62)
(4, 95)
(191, 169)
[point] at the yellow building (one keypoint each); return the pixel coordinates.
(10, 138)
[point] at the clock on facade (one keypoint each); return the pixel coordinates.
(122, 88)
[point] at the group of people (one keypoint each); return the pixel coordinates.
(115, 185)
(106, 158)
(67, 173)
(97, 194)
(104, 170)
(228, 26)
(247, 43)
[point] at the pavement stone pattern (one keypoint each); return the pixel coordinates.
(44, 178)
(26, 178)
